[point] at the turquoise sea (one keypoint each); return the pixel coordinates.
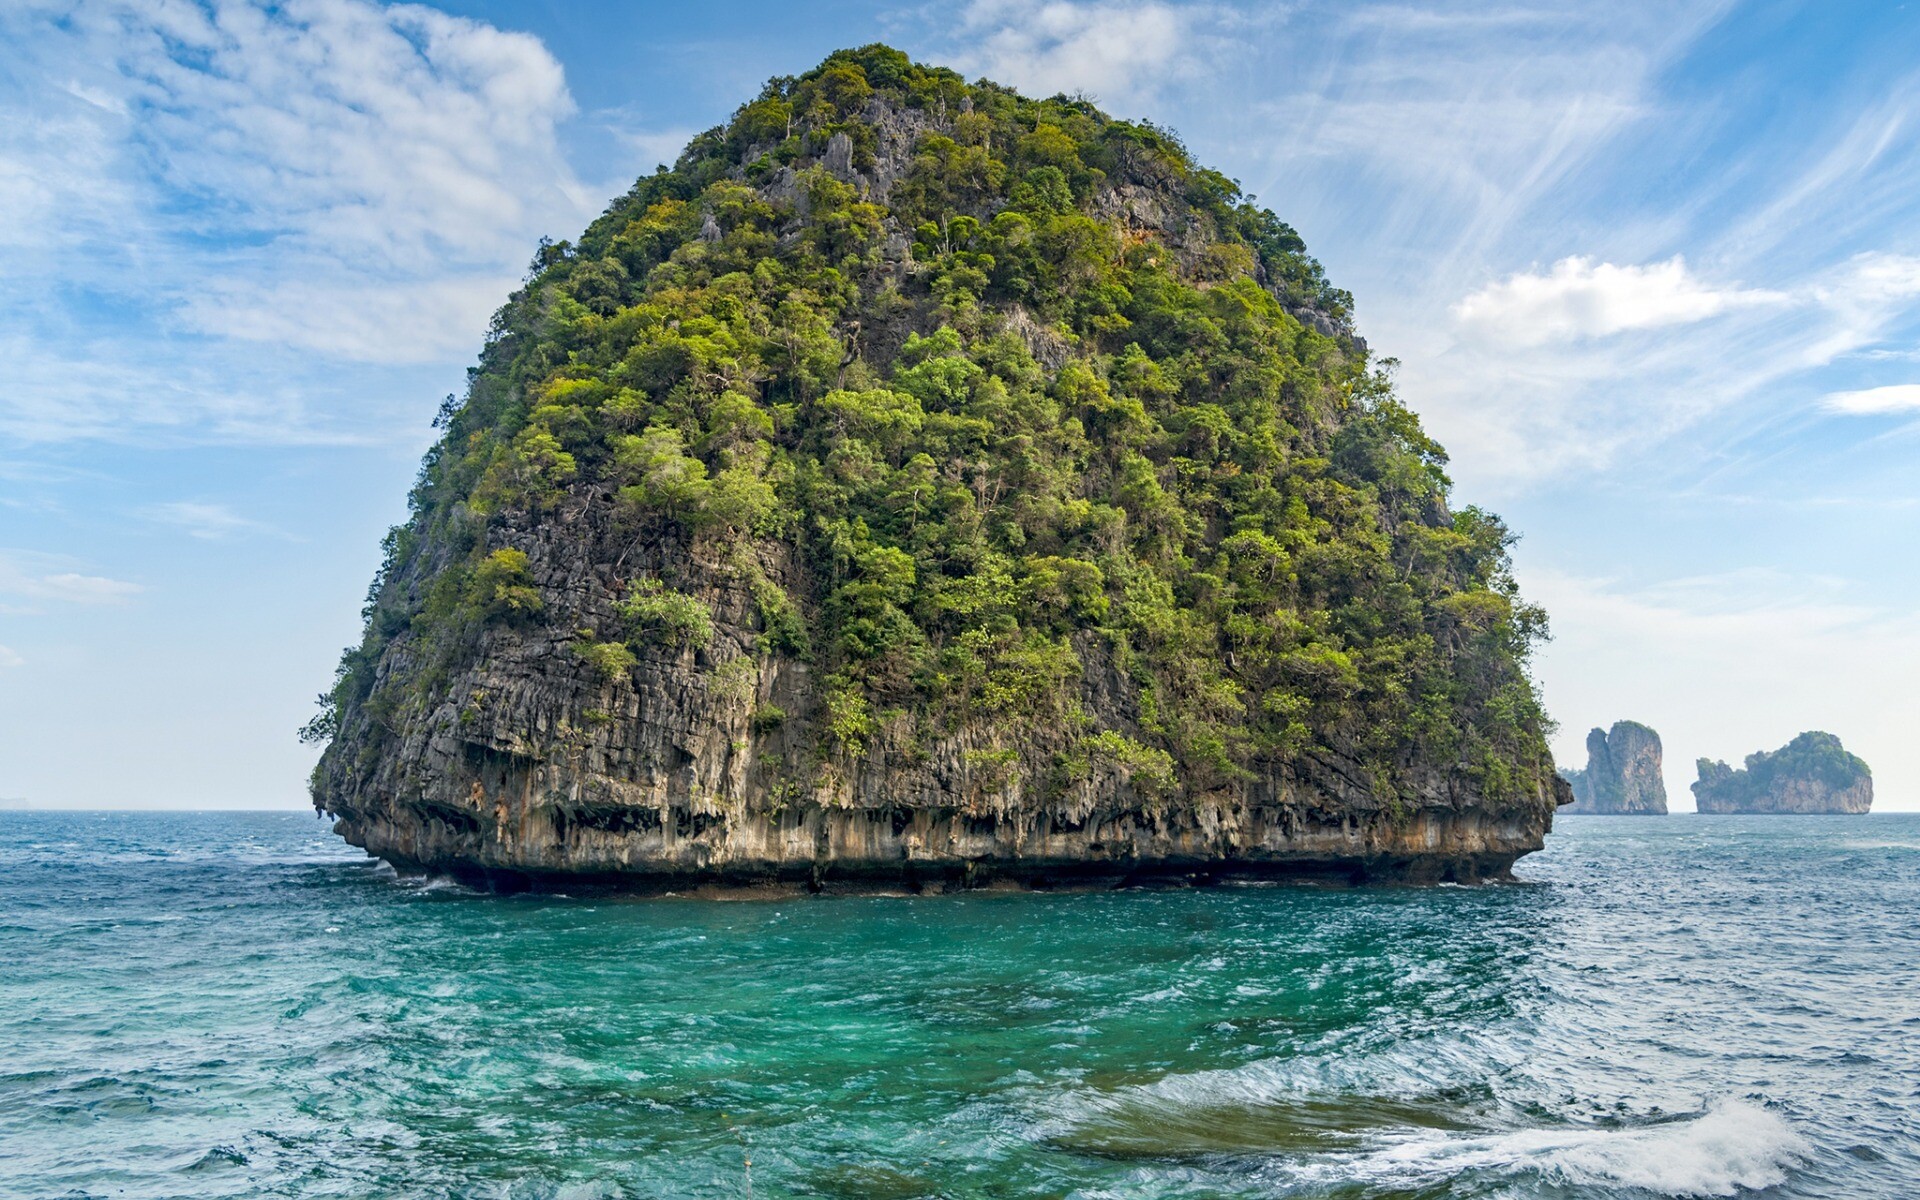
(202, 1005)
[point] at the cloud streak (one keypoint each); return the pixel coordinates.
(1580, 298)
(36, 577)
(208, 522)
(1119, 51)
(1895, 398)
(326, 180)
(401, 136)
(127, 389)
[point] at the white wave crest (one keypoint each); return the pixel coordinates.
(433, 884)
(1732, 1147)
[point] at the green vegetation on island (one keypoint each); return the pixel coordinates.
(969, 393)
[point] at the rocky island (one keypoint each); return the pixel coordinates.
(1622, 775)
(922, 486)
(1813, 773)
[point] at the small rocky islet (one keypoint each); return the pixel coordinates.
(1813, 773)
(1623, 773)
(921, 485)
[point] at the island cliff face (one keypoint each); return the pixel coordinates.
(1623, 773)
(919, 485)
(1813, 773)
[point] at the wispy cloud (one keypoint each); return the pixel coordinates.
(38, 577)
(10, 658)
(322, 180)
(648, 147)
(1853, 180)
(1431, 133)
(1547, 372)
(1115, 50)
(157, 393)
(420, 321)
(74, 588)
(209, 522)
(1866, 295)
(1580, 298)
(1895, 398)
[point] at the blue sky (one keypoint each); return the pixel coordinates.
(1652, 272)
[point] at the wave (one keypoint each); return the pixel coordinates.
(430, 884)
(1412, 1117)
(1731, 1148)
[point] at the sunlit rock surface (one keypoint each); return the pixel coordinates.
(1622, 775)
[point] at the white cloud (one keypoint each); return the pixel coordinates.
(1109, 49)
(1881, 279)
(350, 128)
(33, 576)
(650, 147)
(423, 321)
(209, 522)
(1590, 364)
(1899, 397)
(259, 186)
(10, 658)
(75, 588)
(131, 391)
(1580, 298)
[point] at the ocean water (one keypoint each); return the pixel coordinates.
(204, 1005)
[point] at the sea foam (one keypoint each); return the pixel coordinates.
(1732, 1147)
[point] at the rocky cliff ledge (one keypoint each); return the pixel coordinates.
(1623, 773)
(1813, 773)
(920, 485)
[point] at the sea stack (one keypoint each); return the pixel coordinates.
(1623, 773)
(924, 486)
(1813, 773)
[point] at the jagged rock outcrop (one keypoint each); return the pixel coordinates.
(1623, 773)
(924, 486)
(1813, 773)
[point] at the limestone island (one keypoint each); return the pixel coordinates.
(1813, 773)
(923, 486)
(1623, 773)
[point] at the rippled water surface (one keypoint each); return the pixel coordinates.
(238, 1005)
